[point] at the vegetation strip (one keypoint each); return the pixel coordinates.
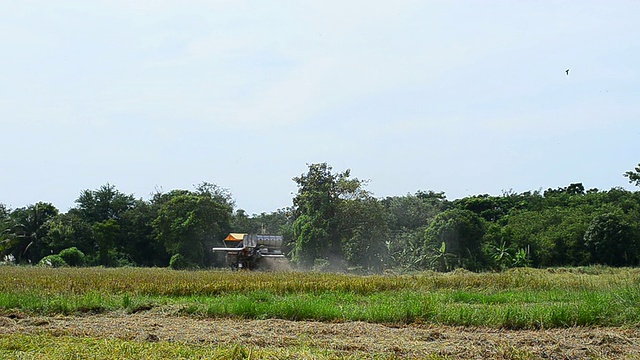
(516, 299)
(334, 224)
(16, 346)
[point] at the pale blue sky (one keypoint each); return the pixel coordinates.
(465, 97)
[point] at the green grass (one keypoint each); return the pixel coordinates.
(521, 298)
(17, 346)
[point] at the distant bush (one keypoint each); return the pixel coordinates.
(179, 262)
(73, 257)
(52, 261)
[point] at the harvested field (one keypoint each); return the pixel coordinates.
(347, 339)
(139, 313)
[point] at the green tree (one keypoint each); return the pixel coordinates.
(25, 232)
(439, 258)
(69, 230)
(611, 240)
(72, 256)
(634, 176)
(406, 250)
(136, 226)
(102, 204)
(410, 212)
(242, 223)
(316, 228)
(488, 207)
(4, 214)
(97, 208)
(189, 223)
(5, 229)
(274, 223)
(105, 233)
(215, 192)
(461, 231)
(364, 232)
(502, 256)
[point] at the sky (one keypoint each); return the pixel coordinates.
(464, 97)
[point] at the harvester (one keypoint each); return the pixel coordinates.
(251, 251)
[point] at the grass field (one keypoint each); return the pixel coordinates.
(66, 347)
(517, 299)
(101, 313)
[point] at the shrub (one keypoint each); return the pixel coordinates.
(73, 257)
(52, 261)
(179, 262)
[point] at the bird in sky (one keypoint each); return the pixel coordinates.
(567, 71)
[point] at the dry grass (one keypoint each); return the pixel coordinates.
(163, 334)
(165, 282)
(139, 313)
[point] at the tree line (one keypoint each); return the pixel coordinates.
(334, 223)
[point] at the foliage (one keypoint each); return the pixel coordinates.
(141, 246)
(276, 222)
(634, 176)
(24, 232)
(316, 229)
(52, 261)
(461, 231)
(179, 262)
(69, 230)
(440, 259)
(103, 204)
(611, 240)
(406, 250)
(410, 212)
(335, 221)
(73, 257)
(364, 232)
(187, 223)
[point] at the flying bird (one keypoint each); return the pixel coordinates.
(567, 71)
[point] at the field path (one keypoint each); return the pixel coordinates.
(411, 341)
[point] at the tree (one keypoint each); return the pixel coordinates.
(410, 212)
(502, 256)
(242, 223)
(25, 232)
(188, 223)
(105, 232)
(102, 204)
(5, 233)
(364, 232)
(215, 192)
(611, 240)
(4, 212)
(486, 206)
(103, 210)
(406, 250)
(276, 222)
(136, 226)
(634, 176)
(72, 256)
(69, 230)
(440, 259)
(461, 231)
(550, 236)
(316, 229)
